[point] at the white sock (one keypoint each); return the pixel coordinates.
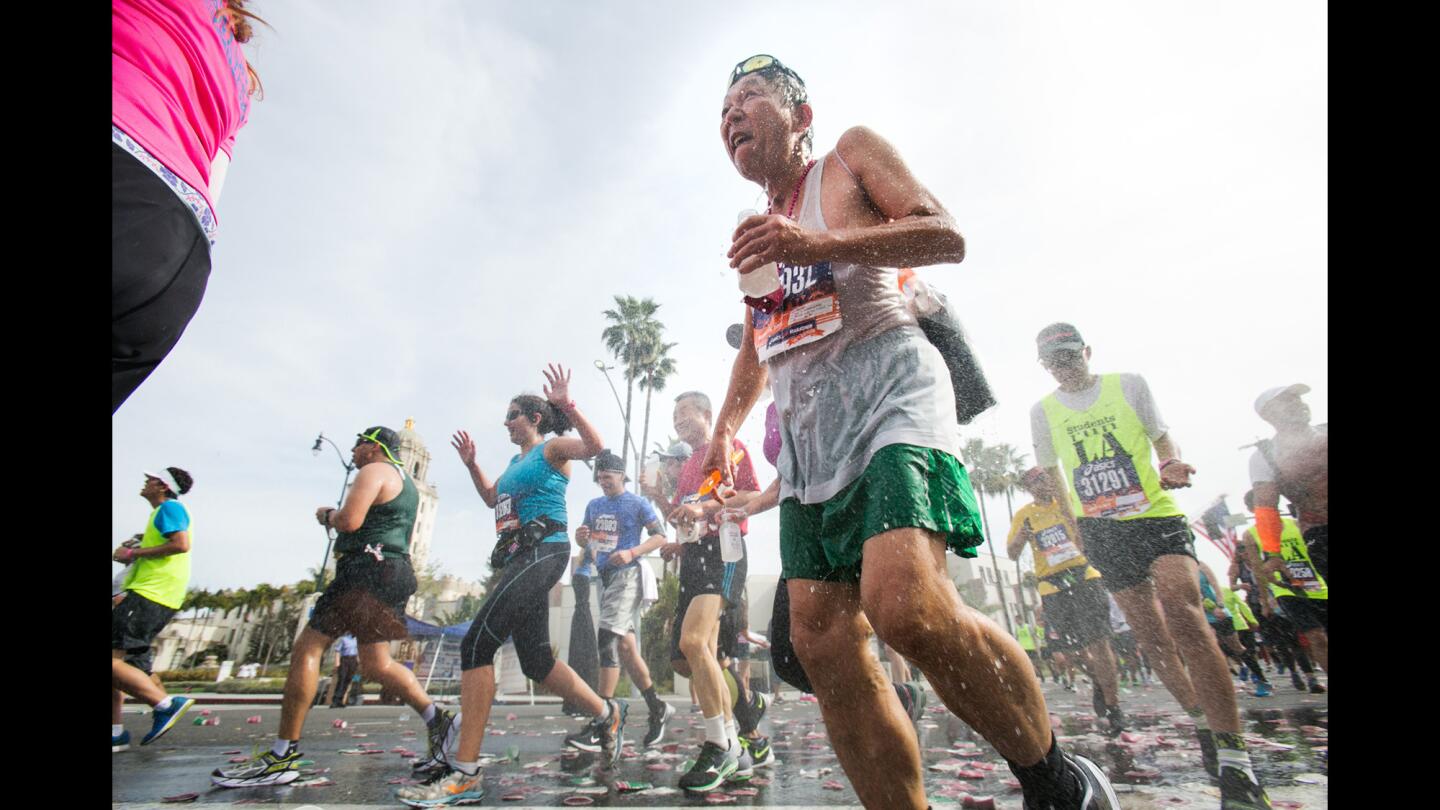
(429, 713)
(715, 731)
(281, 747)
(116, 729)
(468, 768)
(163, 705)
(609, 710)
(730, 731)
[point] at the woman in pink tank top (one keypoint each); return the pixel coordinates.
(180, 91)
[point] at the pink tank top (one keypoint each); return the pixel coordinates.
(179, 83)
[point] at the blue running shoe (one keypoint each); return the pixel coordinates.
(166, 719)
(1262, 689)
(120, 742)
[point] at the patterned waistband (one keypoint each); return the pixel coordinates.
(187, 193)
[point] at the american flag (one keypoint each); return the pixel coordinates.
(1223, 539)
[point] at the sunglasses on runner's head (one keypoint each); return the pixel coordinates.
(374, 436)
(760, 62)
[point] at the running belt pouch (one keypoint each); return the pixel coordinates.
(972, 391)
(522, 539)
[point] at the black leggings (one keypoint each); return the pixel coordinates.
(519, 607)
(159, 265)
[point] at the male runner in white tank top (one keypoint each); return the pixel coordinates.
(871, 490)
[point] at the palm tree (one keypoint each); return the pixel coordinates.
(658, 368)
(987, 474)
(1012, 462)
(629, 337)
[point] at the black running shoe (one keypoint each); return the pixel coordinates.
(760, 751)
(1095, 791)
(711, 769)
(612, 732)
(1208, 754)
(1239, 792)
(656, 732)
(1315, 686)
(587, 738)
(1296, 681)
(1117, 720)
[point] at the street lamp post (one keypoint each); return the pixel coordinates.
(329, 535)
(604, 369)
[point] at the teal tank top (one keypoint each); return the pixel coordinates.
(534, 489)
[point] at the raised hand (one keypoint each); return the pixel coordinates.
(465, 446)
(557, 386)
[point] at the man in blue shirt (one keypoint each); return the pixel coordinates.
(611, 531)
(349, 664)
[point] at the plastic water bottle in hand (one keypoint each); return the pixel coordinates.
(763, 280)
(732, 545)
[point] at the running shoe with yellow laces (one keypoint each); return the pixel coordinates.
(266, 769)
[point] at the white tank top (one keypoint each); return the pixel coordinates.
(875, 382)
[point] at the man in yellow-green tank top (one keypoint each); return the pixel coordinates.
(1101, 437)
(153, 589)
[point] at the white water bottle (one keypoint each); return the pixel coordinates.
(732, 545)
(763, 280)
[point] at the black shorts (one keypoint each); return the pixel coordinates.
(367, 599)
(1223, 628)
(730, 645)
(1305, 613)
(134, 624)
(702, 572)
(159, 265)
(1124, 550)
(1080, 614)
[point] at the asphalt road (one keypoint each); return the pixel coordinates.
(1156, 765)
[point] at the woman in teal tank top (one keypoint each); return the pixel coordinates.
(529, 501)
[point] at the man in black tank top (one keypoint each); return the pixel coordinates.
(373, 580)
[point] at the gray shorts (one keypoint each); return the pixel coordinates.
(620, 599)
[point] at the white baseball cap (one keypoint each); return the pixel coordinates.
(168, 479)
(1271, 393)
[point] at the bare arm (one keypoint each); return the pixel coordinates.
(563, 449)
(176, 543)
(1173, 475)
(747, 380)
(465, 446)
(915, 230)
(1019, 536)
(359, 499)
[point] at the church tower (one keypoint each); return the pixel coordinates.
(416, 458)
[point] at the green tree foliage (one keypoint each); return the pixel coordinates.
(655, 634)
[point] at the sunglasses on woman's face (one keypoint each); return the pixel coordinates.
(511, 416)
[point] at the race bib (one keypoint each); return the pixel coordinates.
(1302, 575)
(505, 518)
(809, 311)
(1108, 486)
(604, 533)
(1055, 543)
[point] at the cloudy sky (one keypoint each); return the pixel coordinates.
(435, 199)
